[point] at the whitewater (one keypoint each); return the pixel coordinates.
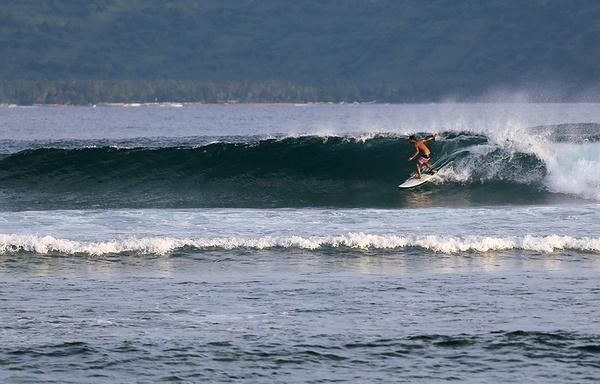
(160, 232)
(270, 243)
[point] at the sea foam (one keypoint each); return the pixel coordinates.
(359, 241)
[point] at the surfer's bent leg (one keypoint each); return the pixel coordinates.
(424, 160)
(430, 167)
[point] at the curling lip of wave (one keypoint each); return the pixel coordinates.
(11, 243)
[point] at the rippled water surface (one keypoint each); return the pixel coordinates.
(301, 316)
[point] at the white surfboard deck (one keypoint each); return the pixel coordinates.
(413, 181)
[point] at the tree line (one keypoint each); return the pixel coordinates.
(27, 92)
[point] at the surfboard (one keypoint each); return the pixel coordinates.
(425, 176)
(413, 181)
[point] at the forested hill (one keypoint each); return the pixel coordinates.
(82, 51)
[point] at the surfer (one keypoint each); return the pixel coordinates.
(423, 152)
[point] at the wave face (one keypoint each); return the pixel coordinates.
(337, 171)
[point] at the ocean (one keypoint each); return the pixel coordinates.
(270, 243)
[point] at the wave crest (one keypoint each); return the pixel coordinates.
(10, 243)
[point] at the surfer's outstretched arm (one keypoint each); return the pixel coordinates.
(415, 154)
(430, 138)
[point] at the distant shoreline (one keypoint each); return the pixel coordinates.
(113, 92)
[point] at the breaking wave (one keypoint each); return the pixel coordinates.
(359, 241)
(344, 171)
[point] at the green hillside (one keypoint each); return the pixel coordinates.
(308, 50)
